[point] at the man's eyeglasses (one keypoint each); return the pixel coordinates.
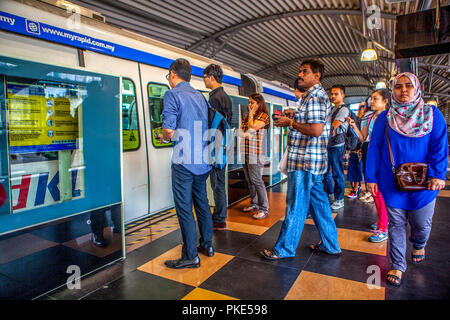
(167, 76)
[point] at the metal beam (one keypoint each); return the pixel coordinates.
(435, 75)
(289, 14)
(319, 56)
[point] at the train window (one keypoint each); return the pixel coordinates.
(130, 121)
(45, 141)
(156, 93)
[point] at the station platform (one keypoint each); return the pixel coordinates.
(238, 272)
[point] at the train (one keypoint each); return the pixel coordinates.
(60, 33)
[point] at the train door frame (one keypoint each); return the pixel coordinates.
(135, 183)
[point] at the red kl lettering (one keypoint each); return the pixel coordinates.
(23, 187)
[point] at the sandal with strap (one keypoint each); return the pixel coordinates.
(421, 257)
(318, 248)
(396, 281)
(272, 255)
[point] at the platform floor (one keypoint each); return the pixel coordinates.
(238, 272)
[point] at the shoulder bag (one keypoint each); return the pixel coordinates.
(410, 176)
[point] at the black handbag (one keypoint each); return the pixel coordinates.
(410, 176)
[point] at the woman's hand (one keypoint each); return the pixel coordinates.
(351, 122)
(252, 109)
(436, 184)
(373, 188)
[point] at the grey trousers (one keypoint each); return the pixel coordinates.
(420, 221)
(258, 194)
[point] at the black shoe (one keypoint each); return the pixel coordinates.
(180, 263)
(207, 252)
(219, 226)
(99, 240)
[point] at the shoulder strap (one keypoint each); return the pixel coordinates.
(391, 157)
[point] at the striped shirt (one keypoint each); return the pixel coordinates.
(306, 152)
(254, 144)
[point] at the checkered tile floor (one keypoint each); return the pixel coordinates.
(238, 272)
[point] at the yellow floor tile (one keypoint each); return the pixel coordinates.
(192, 277)
(202, 294)
(444, 193)
(357, 241)
(246, 228)
(314, 286)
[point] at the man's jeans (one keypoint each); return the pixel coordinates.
(217, 178)
(189, 188)
(336, 165)
(305, 190)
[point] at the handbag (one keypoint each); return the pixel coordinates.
(410, 176)
(282, 165)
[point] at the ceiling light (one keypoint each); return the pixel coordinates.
(433, 102)
(369, 54)
(380, 85)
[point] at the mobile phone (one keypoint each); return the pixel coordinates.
(275, 116)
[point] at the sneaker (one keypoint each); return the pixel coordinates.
(353, 194)
(373, 226)
(365, 195)
(331, 198)
(338, 204)
(378, 236)
(368, 200)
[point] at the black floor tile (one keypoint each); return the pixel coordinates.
(139, 285)
(350, 265)
(231, 242)
(267, 241)
(262, 281)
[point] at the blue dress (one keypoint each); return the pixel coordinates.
(431, 149)
(354, 173)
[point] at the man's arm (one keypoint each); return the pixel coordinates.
(309, 129)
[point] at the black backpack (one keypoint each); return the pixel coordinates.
(351, 137)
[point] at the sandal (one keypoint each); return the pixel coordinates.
(318, 248)
(264, 215)
(271, 255)
(421, 257)
(249, 208)
(394, 280)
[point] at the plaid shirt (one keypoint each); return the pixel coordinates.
(254, 144)
(305, 152)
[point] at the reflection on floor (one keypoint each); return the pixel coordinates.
(238, 272)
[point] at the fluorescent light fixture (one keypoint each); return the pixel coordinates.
(380, 85)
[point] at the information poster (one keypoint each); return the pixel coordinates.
(40, 119)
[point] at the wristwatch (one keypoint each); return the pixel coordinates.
(291, 124)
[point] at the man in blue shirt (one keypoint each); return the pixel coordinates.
(185, 119)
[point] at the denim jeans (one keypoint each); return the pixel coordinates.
(334, 181)
(305, 190)
(189, 189)
(217, 178)
(258, 193)
(420, 221)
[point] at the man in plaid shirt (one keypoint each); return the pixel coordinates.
(307, 162)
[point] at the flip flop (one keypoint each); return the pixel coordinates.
(272, 255)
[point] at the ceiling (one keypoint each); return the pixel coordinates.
(270, 38)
